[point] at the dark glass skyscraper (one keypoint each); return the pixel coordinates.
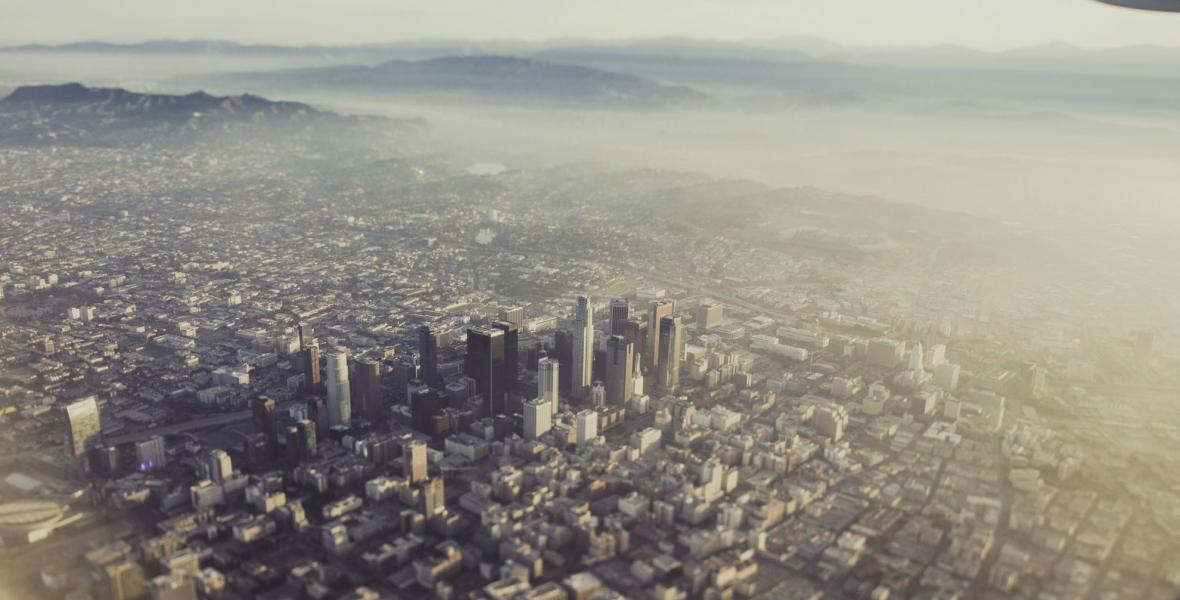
(266, 420)
(485, 364)
(620, 311)
(366, 389)
(620, 380)
(405, 370)
(428, 341)
(671, 347)
(659, 309)
(511, 353)
(635, 330)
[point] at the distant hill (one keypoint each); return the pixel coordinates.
(486, 77)
(73, 112)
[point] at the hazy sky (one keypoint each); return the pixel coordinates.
(991, 24)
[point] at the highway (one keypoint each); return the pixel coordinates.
(190, 425)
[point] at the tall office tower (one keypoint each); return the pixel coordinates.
(659, 309)
(587, 426)
(317, 412)
(434, 498)
(916, 358)
(637, 375)
(339, 397)
(709, 314)
(85, 425)
(538, 418)
(151, 453)
(405, 370)
(414, 461)
(581, 363)
(255, 448)
(428, 354)
(671, 348)
(311, 368)
(485, 364)
(266, 420)
(221, 467)
(307, 439)
(620, 379)
(598, 371)
(366, 390)
(597, 394)
(563, 349)
(635, 330)
(831, 421)
(620, 311)
(126, 580)
(306, 337)
(425, 403)
(548, 374)
(292, 436)
(514, 315)
(102, 460)
(946, 376)
(534, 354)
(511, 353)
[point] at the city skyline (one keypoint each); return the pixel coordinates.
(672, 305)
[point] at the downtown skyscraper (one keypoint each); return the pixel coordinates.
(671, 349)
(339, 396)
(311, 369)
(583, 348)
(548, 375)
(428, 338)
(366, 390)
(85, 426)
(620, 311)
(620, 379)
(658, 310)
(511, 353)
(485, 364)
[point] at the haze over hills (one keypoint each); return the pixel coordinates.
(1058, 54)
(646, 72)
(73, 112)
(492, 77)
(1000, 134)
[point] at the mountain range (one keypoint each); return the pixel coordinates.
(74, 113)
(781, 48)
(491, 77)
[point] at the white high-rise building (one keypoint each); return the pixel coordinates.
(830, 421)
(936, 355)
(221, 467)
(583, 341)
(587, 424)
(537, 418)
(547, 374)
(339, 398)
(85, 425)
(916, 358)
